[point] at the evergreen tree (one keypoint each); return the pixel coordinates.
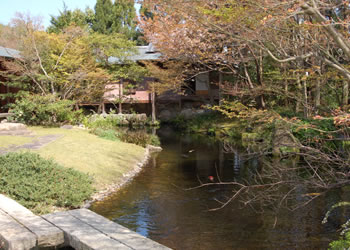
(124, 18)
(68, 17)
(103, 17)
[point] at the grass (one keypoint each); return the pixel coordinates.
(7, 141)
(106, 161)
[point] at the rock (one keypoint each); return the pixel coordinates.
(188, 113)
(12, 126)
(284, 141)
(67, 127)
(154, 149)
(4, 121)
(165, 115)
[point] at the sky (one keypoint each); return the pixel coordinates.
(43, 8)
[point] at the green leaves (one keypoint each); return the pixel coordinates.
(43, 110)
(40, 184)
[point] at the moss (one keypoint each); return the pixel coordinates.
(249, 136)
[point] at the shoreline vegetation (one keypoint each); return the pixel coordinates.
(110, 164)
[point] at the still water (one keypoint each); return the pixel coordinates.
(157, 205)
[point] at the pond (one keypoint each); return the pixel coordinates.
(157, 205)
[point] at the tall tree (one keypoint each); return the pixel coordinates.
(124, 18)
(103, 17)
(68, 17)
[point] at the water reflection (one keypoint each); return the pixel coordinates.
(157, 205)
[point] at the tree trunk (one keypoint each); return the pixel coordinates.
(305, 100)
(220, 83)
(260, 79)
(299, 87)
(211, 96)
(345, 93)
(103, 108)
(318, 93)
(120, 111)
(286, 103)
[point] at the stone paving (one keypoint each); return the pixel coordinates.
(20, 229)
(37, 144)
(17, 129)
(81, 229)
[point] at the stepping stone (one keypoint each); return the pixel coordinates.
(82, 236)
(14, 236)
(46, 234)
(116, 231)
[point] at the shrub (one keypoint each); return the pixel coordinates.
(139, 138)
(109, 134)
(44, 110)
(40, 184)
(108, 122)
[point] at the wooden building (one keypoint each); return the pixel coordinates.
(6, 54)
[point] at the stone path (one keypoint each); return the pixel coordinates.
(37, 144)
(86, 230)
(20, 229)
(81, 229)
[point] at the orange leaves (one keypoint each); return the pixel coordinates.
(342, 120)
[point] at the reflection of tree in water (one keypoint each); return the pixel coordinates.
(257, 179)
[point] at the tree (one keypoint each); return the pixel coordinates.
(68, 17)
(124, 19)
(104, 17)
(58, 64)
(113, 52)
(289, 54)
(168, 77)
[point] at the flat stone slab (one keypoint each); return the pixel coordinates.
(80, 235)
(14, 236)
(85, 229)
(5, 115)
(12, 126)
(116, 231)
(46, 234)
(37, 144)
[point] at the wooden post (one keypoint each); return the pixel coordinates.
(103, 107)
(120, 95)
(153, 98)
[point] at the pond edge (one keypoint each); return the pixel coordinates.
(103, 194)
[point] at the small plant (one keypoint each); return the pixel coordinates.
(40, 184)
(344, 240)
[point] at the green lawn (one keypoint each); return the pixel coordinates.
(105, 160)
(8, 141)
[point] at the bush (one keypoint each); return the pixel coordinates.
(108, 122)
(44, 110)
(109, 134)
(139, 138)
(40, 184)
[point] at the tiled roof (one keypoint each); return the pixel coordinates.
(145, 53)
(6, 52)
